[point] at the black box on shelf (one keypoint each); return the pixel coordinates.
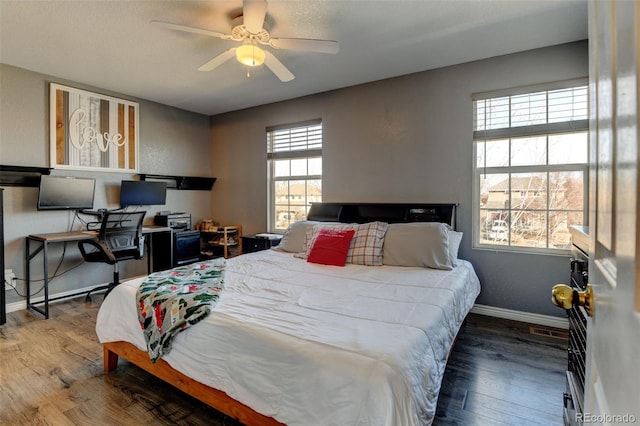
(258, 242)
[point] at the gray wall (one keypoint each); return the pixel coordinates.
(172, 141)
(406, 139)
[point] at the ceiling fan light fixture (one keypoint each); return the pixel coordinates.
(249, 29)
(250, 55)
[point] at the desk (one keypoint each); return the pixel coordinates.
(43, 241)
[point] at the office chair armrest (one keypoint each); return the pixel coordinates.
(141, 246)
(100, 246)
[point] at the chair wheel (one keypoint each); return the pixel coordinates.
(87, 299)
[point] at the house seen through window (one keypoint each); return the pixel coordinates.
(531, 165)
(294, 156)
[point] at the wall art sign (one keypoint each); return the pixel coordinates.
(90, 131)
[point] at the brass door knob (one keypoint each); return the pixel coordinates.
(565, 297)
(562, 296)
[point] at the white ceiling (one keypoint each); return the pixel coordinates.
(111, 44)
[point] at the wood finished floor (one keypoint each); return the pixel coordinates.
(51, 374)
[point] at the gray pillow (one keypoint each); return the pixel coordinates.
(455, 238)
(294, 237)
(423, 244)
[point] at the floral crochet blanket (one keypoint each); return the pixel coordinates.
(170, 301)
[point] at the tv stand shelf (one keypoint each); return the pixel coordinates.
(227, 239)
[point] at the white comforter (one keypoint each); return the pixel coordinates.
(310, 344)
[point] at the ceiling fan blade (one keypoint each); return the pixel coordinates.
(253, 12)
(193, 30)
(218, 60)
(278, 67)
(306, 45)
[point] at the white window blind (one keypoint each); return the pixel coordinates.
(287, 142)
(541, 111)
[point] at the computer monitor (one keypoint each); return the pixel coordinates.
(142, 193)
(65, 193)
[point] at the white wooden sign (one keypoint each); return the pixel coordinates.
(90, 131)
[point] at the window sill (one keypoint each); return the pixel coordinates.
(523, 250)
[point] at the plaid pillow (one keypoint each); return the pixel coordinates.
(366, 245)
(331, 247)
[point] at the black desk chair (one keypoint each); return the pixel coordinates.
(120, 238)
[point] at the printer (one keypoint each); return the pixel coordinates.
(176, 221)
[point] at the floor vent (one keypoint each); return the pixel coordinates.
(549, 332)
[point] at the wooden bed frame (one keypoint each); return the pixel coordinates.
(162, 370)
(326, 212)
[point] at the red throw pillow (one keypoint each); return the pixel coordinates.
(331, 247)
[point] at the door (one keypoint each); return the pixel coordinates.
(612, 388)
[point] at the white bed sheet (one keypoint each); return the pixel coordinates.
(310, 344)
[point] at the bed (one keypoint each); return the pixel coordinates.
(300, 343)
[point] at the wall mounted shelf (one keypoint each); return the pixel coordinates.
(22, 175)
(182, 182)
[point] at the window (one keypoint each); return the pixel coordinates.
(294, 156)
(531, 165)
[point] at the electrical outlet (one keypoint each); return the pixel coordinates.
(9, 278)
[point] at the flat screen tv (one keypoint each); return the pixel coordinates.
(142, 193)
(65, 193)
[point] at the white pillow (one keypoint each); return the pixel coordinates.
(294, 237)
(365, 247)
(423, 244)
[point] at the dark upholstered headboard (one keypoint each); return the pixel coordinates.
(390, 213)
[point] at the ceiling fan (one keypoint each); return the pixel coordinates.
(248, 29)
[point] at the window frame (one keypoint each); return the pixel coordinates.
(532, 130)
(291, 154)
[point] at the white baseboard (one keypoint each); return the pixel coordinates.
(16, 306)
(546, 320)
(19, 306)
